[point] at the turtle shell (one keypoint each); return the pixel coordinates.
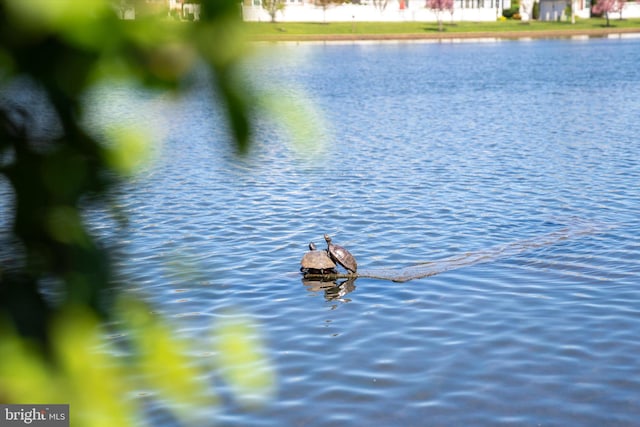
(341, 256)
(317, 261)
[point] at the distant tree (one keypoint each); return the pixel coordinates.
(607, 6)
(326, 4)
(439, 7)
(526, 10)
(123, 6)
(380, 4)
(573, 6)
(273, 7)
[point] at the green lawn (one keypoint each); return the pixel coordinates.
(288, 29)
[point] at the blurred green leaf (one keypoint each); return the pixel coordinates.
(162, 358)
(243, 361)
(65, 225)
(299, 118)
(128, 149)
(96, 382)
(24, 377)
(54, 349)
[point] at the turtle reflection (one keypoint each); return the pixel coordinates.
(332, 289)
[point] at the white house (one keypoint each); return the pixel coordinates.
(368, 10)
(555, 10)
(552, 10)
(184, 9)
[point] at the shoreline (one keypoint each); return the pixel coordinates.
(505, 35)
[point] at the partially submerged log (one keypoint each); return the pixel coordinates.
(431, 268)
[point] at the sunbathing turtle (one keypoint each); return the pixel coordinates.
(341, 256)
(317, 262)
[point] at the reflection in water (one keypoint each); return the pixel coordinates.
(332, 290)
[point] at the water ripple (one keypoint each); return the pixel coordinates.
(486, 163)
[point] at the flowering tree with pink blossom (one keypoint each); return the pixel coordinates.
(439, 7)
(608, 6)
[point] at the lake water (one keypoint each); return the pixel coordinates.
(505, 174)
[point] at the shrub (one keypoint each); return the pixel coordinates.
(513, 10)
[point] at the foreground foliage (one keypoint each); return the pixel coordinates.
(57, 283)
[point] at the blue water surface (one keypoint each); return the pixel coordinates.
(510, 169)
(431, 151)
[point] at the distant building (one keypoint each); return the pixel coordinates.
(366, 10)
(185, 9)
(556, 10)
(179, 9)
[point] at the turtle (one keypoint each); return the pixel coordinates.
(341, 256)
(317, 262)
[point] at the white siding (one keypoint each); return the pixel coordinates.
(296, 11)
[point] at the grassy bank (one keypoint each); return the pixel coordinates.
(402, 30)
